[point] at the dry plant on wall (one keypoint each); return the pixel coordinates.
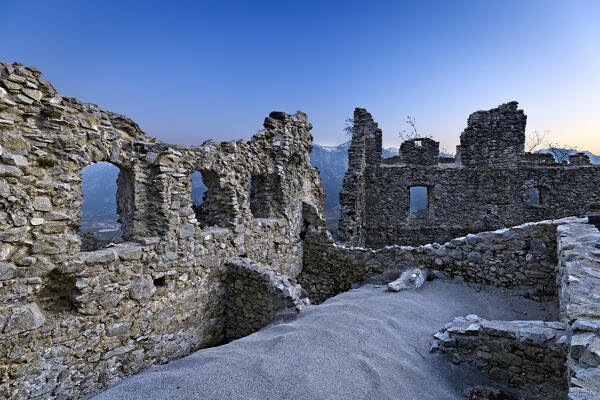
(537, 141)
(349, 128)
(412, 132)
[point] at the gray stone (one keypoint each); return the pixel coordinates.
(24, 318)
(14, 159)
(42, 204)
(410, 279)
(186, 231)
(7, 271)
(142, 287)
(118, 328)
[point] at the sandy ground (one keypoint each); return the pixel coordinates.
(363, 344)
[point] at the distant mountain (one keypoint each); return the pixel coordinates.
(594, 159)
(332, 162)
(99, 183)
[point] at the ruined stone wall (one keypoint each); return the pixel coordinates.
(363, 155)
(255, 294)
(526, 355)
(494, 137)
(422, 151)
(72, 321)
(521, 257)
(579, 299)
(488, 189)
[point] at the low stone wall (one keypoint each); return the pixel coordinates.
(528, 355)
(521, 257)
(255, 295)
(579, 299)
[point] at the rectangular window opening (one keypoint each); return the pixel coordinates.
(419, 202)
(533, 197)
(108, 205)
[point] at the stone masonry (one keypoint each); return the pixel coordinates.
(255, 295)
(73, 321)
(488, 186)
(579, 298)
(182, 277)
(528, 355)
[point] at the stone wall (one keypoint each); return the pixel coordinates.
(72, 321)
(423, 151)
(486, 188)
(522, 257)
(255, 294)
(363, 155)
(495, 136)
(526, 355)
(579, 298)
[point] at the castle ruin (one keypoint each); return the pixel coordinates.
(490, 184)
(74, 319)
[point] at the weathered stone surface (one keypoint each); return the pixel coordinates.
(528, 355)
(42, 204)
(164, 273)
(118, 328)
(7, 271)
(255, 295)
(579, 291)
(14, 159)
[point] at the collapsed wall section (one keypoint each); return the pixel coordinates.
(364, 153)
(521, 257)
(528, 356)
(73, 321)
(495, 136)
(255, 294)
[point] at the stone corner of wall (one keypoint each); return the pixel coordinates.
(528, 355)
(256, 294)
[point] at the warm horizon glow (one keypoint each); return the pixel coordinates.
(195, 70)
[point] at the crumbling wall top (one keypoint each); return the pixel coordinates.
(421, 151)
(495, 136)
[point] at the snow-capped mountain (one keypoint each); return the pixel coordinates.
(332, 162)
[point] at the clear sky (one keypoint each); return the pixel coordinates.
(190, 71)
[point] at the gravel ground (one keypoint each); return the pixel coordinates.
(363, 344)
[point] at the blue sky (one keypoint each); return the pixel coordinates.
(190, 71)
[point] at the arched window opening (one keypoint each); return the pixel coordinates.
(198, 188)
(265, 194)
(108, 205)
(419, 202)
(210, 200)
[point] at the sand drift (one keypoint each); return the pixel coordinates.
(367, 343)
